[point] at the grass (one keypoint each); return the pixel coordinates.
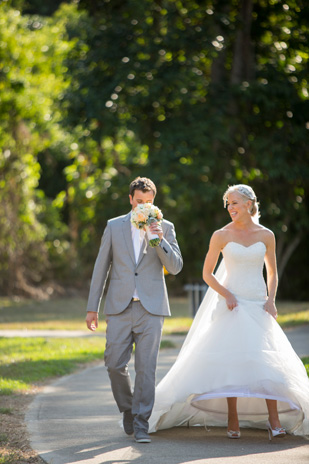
(5, 411)
(54, 314)
(305, 360)
(69, 314)
(167, 344)
(11, 459)
(25, 362)
(293, 319)
(3, 438)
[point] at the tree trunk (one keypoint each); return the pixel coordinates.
(242, 68)
(285, 253)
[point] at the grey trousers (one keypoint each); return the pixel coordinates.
(134, 325)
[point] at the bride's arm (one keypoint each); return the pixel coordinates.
(215, 246)
(272, 275)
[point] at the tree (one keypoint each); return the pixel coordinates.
(195, 95)
(208, 90)
(31, 83)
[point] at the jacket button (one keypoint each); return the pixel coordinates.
(136, 273)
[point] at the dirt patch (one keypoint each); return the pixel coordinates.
(14, 439)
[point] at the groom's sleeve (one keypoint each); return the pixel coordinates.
(169, 251)
(100, 271)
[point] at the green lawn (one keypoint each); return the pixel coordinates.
(25, 362)
(28, 361)
(306, 363)
(69, 314)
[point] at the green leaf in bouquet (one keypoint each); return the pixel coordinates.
(154, 242)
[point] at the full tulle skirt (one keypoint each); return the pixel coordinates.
(241, 353)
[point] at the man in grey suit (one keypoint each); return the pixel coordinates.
(135, 306)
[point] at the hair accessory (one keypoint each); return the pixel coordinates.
(246, 191)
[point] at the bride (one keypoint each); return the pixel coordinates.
(236, 366)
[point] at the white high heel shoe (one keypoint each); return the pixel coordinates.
(276, 432)
(233, 433)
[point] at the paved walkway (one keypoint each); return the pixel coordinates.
(75, 420)
(49, 333)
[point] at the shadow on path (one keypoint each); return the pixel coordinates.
(76, 420)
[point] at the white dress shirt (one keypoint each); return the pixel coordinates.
(138, 236)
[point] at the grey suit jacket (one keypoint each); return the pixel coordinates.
(116, 257)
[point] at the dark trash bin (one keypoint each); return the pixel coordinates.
(196, 293)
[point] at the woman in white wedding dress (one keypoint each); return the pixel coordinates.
(236, 366)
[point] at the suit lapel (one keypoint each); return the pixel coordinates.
(126, 227)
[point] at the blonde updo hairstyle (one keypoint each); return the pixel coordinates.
(248, 194)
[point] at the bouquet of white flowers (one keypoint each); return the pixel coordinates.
(143, 215)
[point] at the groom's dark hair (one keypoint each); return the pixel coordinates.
(144, 184)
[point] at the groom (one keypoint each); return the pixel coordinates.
(135, 306)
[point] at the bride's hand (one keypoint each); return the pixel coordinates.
(231, 301)
(270, 307)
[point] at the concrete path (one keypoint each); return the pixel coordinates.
(75, 420)
(49, 333)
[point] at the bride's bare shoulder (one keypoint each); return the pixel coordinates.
(220, 236)
(265, 230)
(267, 235)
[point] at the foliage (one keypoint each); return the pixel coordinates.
(195, 95)
(31, 85)
(206, 110)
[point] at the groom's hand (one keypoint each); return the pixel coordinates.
(156, 228)
(92, 320)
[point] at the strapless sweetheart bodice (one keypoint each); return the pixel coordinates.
(244, 267)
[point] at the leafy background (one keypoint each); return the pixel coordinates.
(196, 95)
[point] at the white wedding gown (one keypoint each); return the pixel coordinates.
(241, 353)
